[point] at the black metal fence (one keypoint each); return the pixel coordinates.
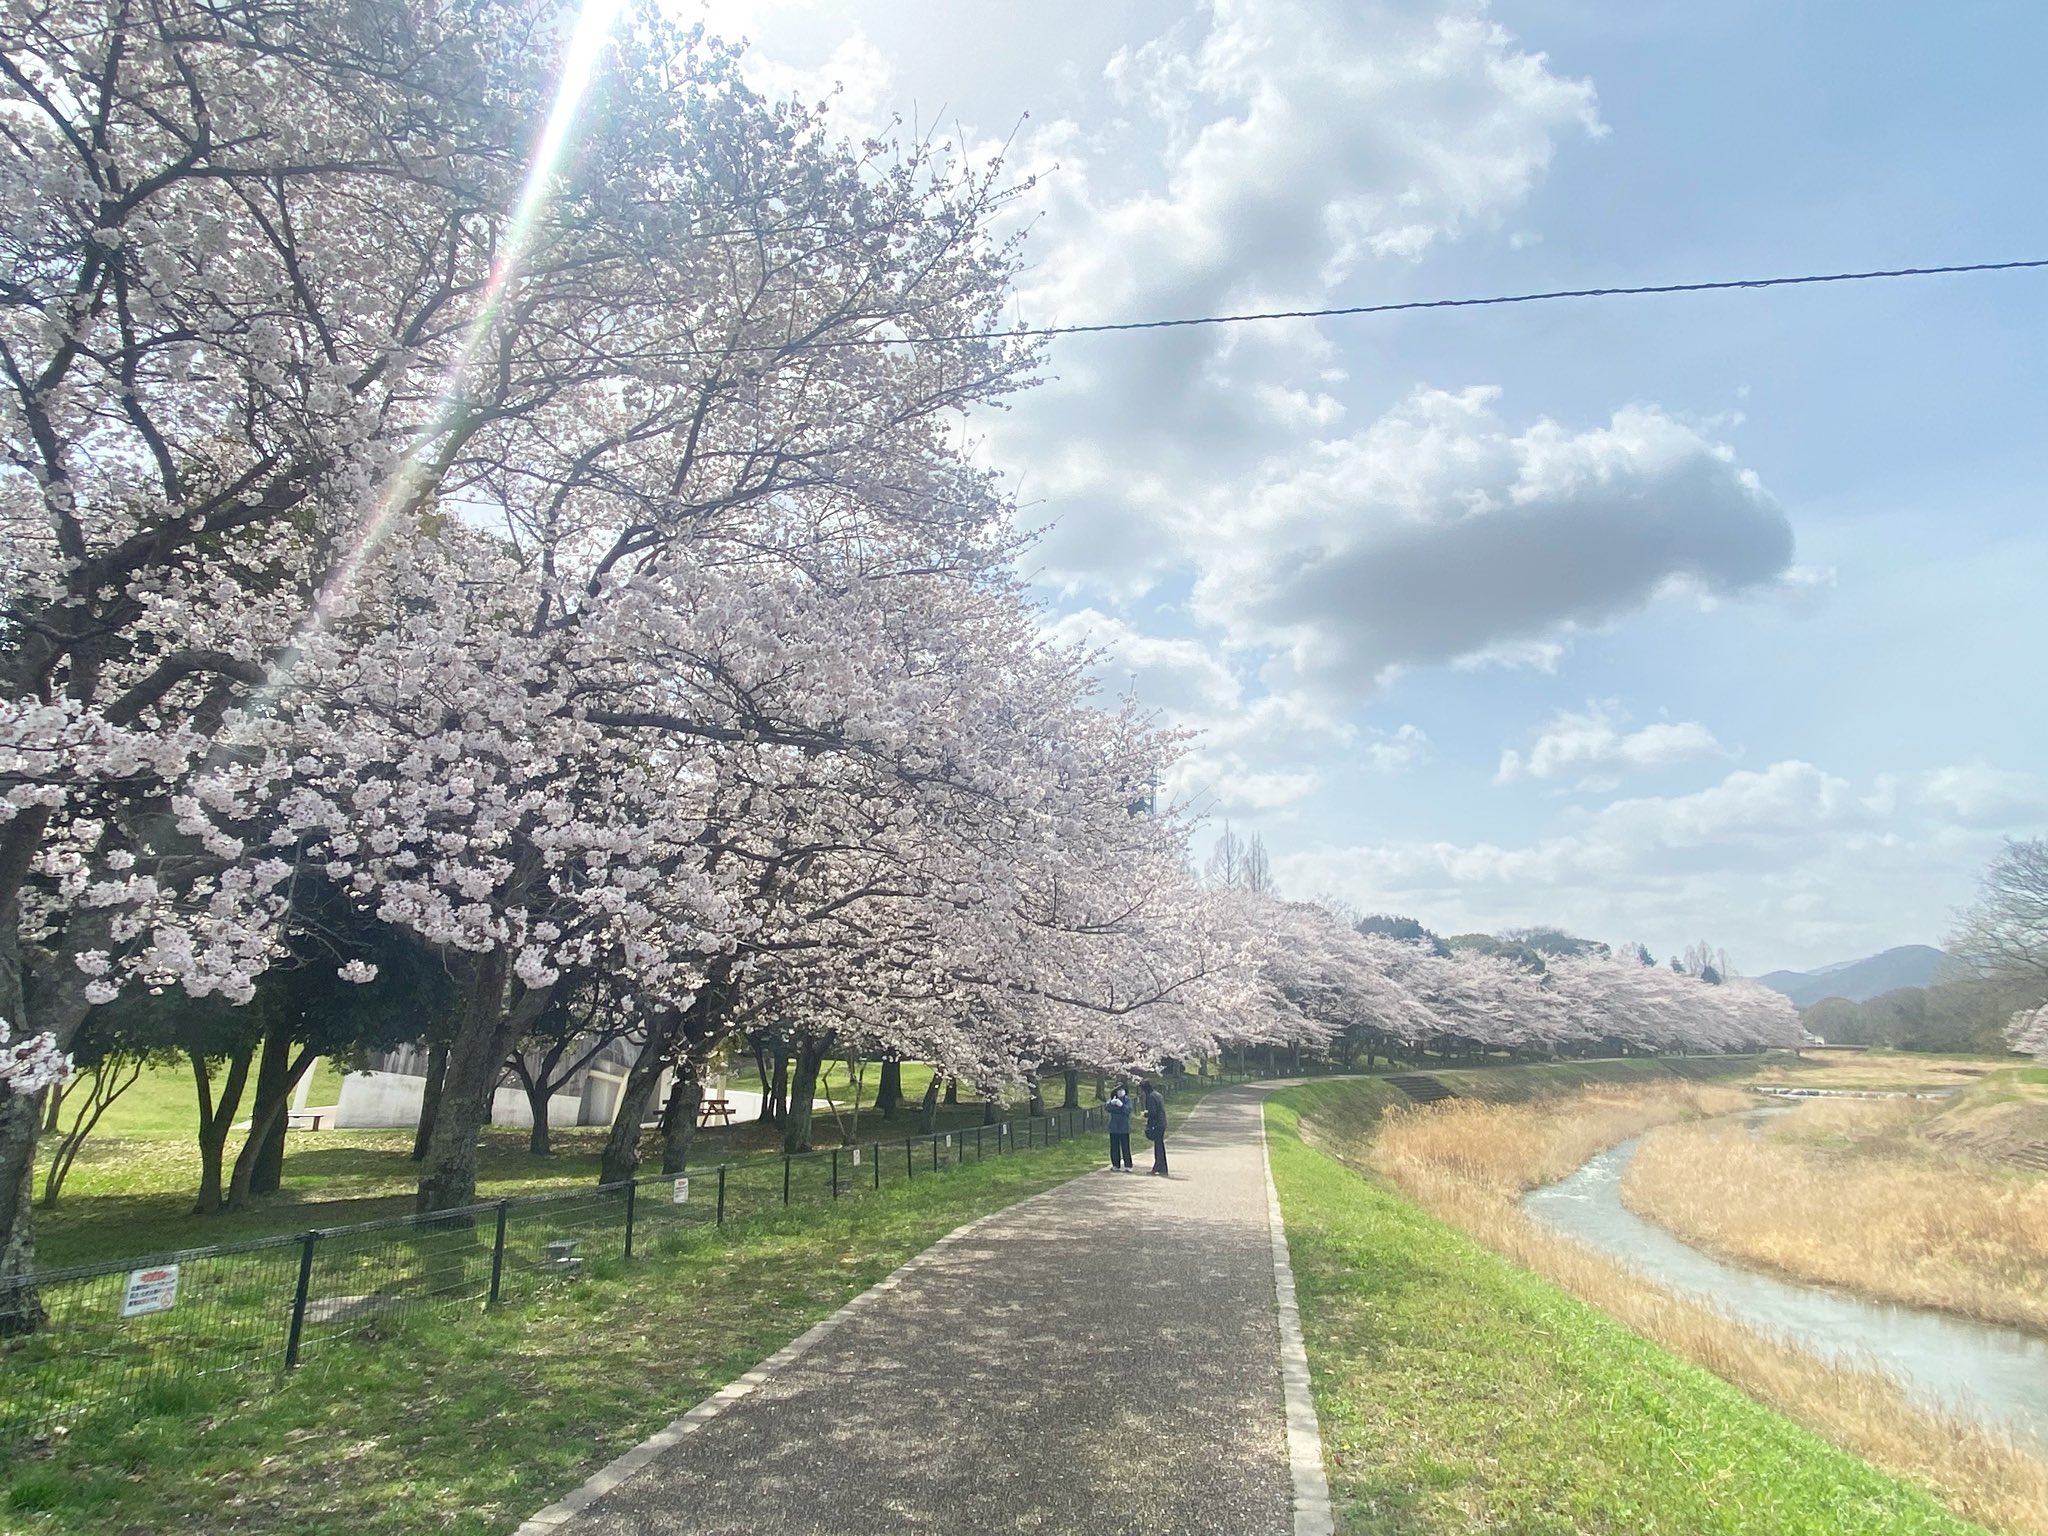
(133, 1331)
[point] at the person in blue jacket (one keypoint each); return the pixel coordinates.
(1155, 1126)
(1119, 1108)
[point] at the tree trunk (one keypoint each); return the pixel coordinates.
(928, 1108)
(110, 1079)
(21, 1115)
(803, 1089)
(538, 1092)
(621, 1158)
(760, 1049)
(889, 1095)
(476, 1056)
(1073, 1097)
(277, 1074)
(988, 1110)
(59, 1009)
(430, 1098)
(778, 1092)
(53, 1104)
(275, 1080)
(1037, 1107)
(21, 1310)
(952, 1090)
(216, 1119)
(679, 1116)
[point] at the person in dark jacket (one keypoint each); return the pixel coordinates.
(1155, 1126)
(1119, 1108)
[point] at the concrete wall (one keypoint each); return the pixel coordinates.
(383, 1099)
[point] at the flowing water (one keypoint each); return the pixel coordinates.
(1997, 1376)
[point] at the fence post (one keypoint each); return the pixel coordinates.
(785, 1178)
(721, 1194)
(835, 1173)
(632, 1187)
(498, 1253)
(909, 1158)
(291, 1343)
(875, 1157)
(935, 1152)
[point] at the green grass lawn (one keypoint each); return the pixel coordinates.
(1458, 1393)
(130, 1192)
(128, 1197)
(466, 1421)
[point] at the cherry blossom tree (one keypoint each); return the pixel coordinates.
(1318, 970)
(2028, 1032)
(286, 300)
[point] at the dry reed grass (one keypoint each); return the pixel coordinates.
(1838, 1195)
(1508, 1148)
(1458, 1162)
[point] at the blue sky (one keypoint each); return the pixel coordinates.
(1750, 585)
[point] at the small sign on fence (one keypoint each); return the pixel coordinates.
(150, 1290)
(856, 1157)
(682, 1191)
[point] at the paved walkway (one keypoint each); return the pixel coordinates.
(1103, 1358)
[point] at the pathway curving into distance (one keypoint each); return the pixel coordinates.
(1104, 1357)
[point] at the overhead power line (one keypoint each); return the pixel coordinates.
(1492, 301)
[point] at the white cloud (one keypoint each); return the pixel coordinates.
(1593, 748)
(1394, 751)
(1219, 784)
(1183, 677)
(1292, 143)
(1984, 797)
(1786, 865)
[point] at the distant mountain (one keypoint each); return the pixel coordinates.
(1910, 965)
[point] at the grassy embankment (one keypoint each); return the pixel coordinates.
(1463, 1392)
(468, 1422)
(1916, 1201)
(131, 1190)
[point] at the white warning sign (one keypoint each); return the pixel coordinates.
(150, 1290)
(682, 1191)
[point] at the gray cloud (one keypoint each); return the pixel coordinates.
(1437, 535)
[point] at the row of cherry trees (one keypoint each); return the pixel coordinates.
(505, 547)
(565, 564)
(1323, 978)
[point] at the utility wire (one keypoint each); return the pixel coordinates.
(1348, 311)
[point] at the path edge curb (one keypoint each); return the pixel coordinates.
(1312, 1514)
(551, 1520)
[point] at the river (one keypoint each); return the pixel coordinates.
(1998, 1376)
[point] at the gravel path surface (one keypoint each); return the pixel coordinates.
(1102, 1358)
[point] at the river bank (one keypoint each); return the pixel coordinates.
(1467, 1164)
(1863, 1194)
(1459, 1392)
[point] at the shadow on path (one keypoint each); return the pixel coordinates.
(1101, 1358)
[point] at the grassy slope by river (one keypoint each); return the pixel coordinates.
(1461, 1392)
